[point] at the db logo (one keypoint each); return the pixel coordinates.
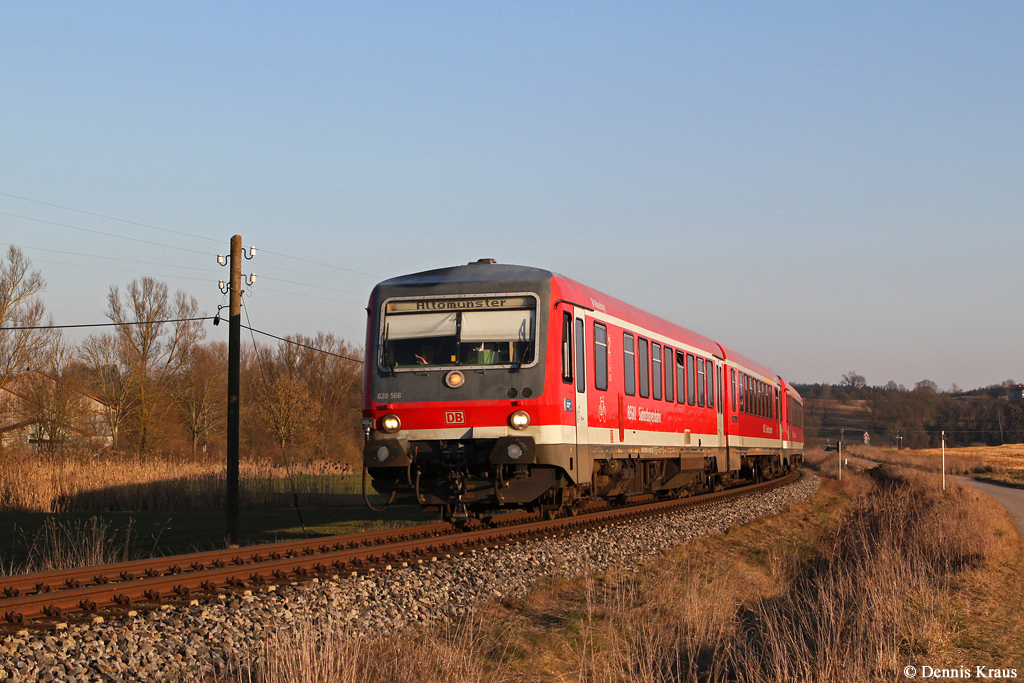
(455, 417)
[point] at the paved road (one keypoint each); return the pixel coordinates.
(1010, 498)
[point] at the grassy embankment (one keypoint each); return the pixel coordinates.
(870, 575)
(89, 510)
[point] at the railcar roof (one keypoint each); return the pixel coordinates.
(740, 359)
(472, 272)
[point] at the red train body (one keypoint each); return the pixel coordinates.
(490, 386)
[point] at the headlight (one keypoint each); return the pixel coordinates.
(519, 420)
(454, 379)
(390, 423)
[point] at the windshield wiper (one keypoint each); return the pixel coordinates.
(389, 359)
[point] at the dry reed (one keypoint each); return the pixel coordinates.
(101, 483)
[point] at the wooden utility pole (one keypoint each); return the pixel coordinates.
(234, 371)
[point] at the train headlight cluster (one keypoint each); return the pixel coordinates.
(390, 423)
(454, 379)
(519, 419)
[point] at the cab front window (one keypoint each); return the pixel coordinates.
(478, 331)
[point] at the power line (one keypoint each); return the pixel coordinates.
(154, 227)
(111, 258)
(317, 263)
(121, 270)
(107, 234)
(303, 284)
(112, 218)
(295, 343)
(309, 296)
(133, 322)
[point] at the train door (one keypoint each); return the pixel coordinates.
(716, 377)
(579, 465)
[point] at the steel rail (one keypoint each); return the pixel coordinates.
(346, 554)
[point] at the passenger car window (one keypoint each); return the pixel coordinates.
(691, 379)
(600, 357)
(700, 382)
(669, 374)
(656, 371)
(628, 365)
(711, 384)
(680, 377)
(645, 367)
(567, 347)
(581, 358)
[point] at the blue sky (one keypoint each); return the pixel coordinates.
(823, 187)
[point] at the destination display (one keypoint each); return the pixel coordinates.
(474, 304)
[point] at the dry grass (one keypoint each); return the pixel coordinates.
(868, 576)
(101, 483)
(1001, 464)
(80, 543)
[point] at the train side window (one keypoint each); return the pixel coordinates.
(581, 358)
(600, 357)
(732, 373)
(567, 347)
(680, 377)
(745, 388)
(760, 398)
(700, 382)
(656, 371)
(691, 379)
(669, 374)
(711, 384)
(628, 365)
(645, 367)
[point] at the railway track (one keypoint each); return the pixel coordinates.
(115, 587)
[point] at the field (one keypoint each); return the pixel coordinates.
(998, 464)
(93, 509)
(871, 574)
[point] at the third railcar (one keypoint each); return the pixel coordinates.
(490, 386)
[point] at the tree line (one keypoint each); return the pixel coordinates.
(918, 414)
(150, 387)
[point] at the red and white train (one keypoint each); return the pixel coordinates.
(489, 386)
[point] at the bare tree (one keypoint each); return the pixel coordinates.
(109, 379)
(20, 306)
(854, 381)
(53, 401)
(151, 350)
(284, 406)
(201, 395)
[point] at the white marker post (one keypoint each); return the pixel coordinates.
(839, 448)
(943, 459)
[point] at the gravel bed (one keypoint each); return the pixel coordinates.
(209, 637)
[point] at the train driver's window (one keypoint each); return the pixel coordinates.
(700, 382)
(581, 358)
(732, 373)
(628, 365)
(600, 357)
(691, 379)
(425, 333)
(645, 367)
(656, 371)
(680, 377)
(669, 374)
(567, 347)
